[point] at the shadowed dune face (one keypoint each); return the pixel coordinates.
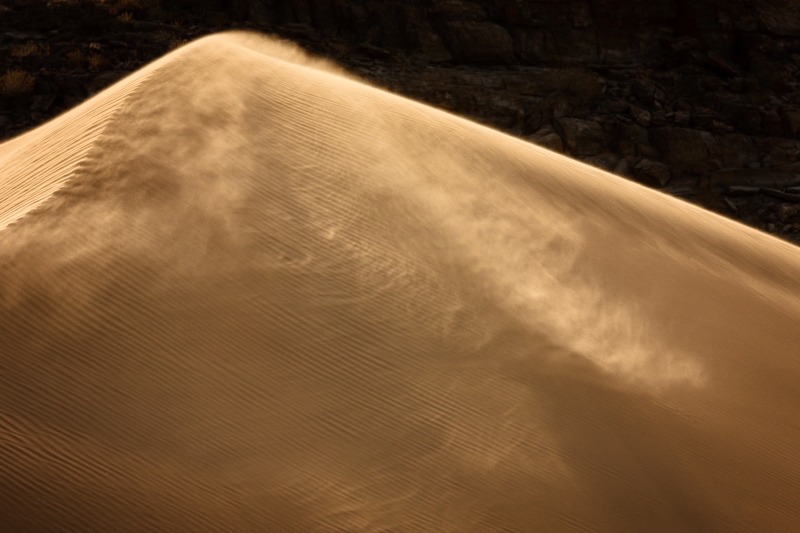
(244, 292)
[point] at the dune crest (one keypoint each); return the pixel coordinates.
(37, 164)
(244, 291)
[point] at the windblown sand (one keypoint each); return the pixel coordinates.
(240, 291)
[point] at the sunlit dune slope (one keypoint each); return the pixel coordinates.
(241, 292)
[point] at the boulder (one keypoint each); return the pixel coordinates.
(539, 113)
(561, 105)
(627, 148)
(547, 138)
(623, 167)
(615, 106)
(790, 119)
(506, 110)
(581, 137)
(720, 127)
(687, 150)
(607, 161)
(702, 118)
(641, 116)
(635, 140)
(771, 123)
(758, 178)
(42, 102)
(738, 150)
(478, 42)
(785, 212)
(651, 172)
(635, 133)
(644, 90)
(432, 46)
(784, 157)
(721, 65)
(682, 117)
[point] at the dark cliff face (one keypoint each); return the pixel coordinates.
(535, 31)
(488, 31)
(699, 98)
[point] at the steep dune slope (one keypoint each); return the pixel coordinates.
(260, 296)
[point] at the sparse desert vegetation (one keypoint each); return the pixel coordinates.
(24, 50)
(16, 82)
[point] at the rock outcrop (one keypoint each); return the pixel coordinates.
(668, 93)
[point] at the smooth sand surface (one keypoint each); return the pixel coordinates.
(242, 292)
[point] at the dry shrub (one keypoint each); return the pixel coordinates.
(96, 60)
(16, 82)
(127, 16)
(576, 82)
(75, 56)
(176, 42)
(24, 50)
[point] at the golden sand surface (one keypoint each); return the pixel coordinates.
(241, 291)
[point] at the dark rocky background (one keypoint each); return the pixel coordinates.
(698, 98)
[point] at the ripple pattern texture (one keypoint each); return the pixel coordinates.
(243, 291)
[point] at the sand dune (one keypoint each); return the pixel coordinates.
(240, 291)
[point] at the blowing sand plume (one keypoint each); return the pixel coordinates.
(242, 291)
